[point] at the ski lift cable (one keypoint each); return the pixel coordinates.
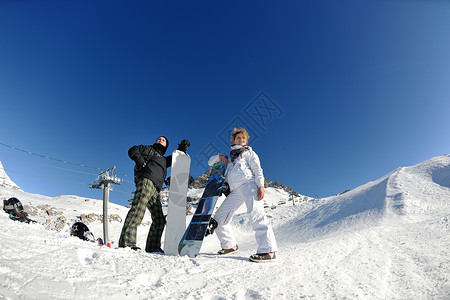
(46, 178)
(58, 160)
(118, 191)
(47, 165)
(127, 181)
(48, 157)
(55, 167)
(60, 180)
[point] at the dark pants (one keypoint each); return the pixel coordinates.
(146, 196)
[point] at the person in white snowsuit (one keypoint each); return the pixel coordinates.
(246, 181)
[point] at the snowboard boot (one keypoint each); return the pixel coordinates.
(263, 257)
(158, 250)
(228, 251)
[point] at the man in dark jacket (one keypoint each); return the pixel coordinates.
(149, 174)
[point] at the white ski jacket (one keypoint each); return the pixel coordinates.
(245, 168)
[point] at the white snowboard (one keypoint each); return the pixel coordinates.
(176, 210)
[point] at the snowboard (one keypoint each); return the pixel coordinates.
(192, 240)
(176, 210)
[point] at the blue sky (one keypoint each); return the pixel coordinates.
(334, 93)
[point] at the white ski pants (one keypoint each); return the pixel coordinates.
(247, 194)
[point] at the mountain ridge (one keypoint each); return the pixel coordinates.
(200, 182)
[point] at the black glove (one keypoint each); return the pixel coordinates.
(184, 145)
(140, 163)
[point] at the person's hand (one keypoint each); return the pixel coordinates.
(183, 145)
(223, 159)
(261, 193)
(140, 163)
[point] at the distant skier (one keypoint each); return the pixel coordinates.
(246, 180)
(149, 174)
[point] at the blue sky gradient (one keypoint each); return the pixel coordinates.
(346, 91)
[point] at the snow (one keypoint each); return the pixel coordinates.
(5, 181)
(387, 239)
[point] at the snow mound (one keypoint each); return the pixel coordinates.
(422, 190)
(440, 172)
(407, 194)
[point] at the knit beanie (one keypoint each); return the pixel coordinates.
(160, 147)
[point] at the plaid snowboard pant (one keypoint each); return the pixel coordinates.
(146, 195)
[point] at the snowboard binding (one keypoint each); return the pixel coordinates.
(211, 226)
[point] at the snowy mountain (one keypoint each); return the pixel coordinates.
(197, 185)
(5, 181)
(387, 239)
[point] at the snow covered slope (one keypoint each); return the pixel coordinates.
(5, 181)
(387, 239)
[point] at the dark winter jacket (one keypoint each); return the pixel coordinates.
(150, 164)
